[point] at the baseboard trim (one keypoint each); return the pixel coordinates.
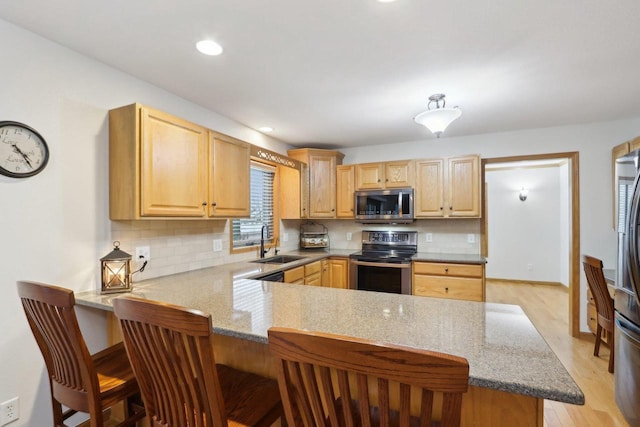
(530, 282)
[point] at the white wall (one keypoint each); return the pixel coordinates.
(525, 237)
(55, 225)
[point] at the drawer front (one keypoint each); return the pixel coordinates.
(592, 317)
(445, 269)
(313, 280)
(313, 268)
(448, 287)
(293, 275)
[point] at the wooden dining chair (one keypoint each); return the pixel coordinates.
(332, 380)
(604, 304)
(170, 349)
(78, 380)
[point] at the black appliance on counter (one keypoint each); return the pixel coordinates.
(627, 313)
(384, 263)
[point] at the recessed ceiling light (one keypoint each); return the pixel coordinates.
(386, 1)
(265, 129)
(209, 47)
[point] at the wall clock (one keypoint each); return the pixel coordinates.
(23, 151)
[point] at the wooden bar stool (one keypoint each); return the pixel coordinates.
(80, 381)
(170, 349)
(326, 380)
(604, 304)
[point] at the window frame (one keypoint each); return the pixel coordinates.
(273, 242)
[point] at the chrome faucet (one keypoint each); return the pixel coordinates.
(262, 251)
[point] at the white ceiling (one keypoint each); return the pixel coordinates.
(341, 73)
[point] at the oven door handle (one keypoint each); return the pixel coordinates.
(381, 264)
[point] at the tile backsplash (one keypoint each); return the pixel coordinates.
(182, 245)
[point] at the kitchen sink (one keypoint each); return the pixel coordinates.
(279, 259)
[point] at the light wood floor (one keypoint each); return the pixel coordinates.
(547, 307)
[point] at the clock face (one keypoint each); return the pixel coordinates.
(23, 151)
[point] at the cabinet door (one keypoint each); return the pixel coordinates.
(229, 182)
(398, 174)
(369, 176)
(339, 273)
(322, 184)
(345, 187)
(326, 270)
(294, 275)
(313, 280)
(289, 193)
(429, 192)
(464, 186)
(173, 166)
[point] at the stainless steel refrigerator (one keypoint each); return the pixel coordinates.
(627, 313)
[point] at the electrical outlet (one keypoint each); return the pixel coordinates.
(285, 237)
(471, 238)
(9, 411)
(529, 267)
(349, 235)
(143, 253)
(217, 245)
(428, 237)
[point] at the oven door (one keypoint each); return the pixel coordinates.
(377, 276)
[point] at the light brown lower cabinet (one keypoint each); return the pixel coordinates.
(331, 272)
(448, 280)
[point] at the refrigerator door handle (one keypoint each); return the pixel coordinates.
(631, 332)
(633, 260)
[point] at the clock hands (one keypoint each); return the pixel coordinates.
(24, 156)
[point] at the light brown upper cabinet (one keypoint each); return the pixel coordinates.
(345, 189)
(321, 173)
(448, 188)
(161, 166)
(396, 174)
(229, 177)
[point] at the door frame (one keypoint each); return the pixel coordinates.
(574, 245)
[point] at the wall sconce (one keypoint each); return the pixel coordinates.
(524, 192)
(116, 271)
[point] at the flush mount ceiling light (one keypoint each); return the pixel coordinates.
(437, 119)
(265, 129)
(209, 47)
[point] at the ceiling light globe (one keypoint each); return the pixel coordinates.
(437, 120)
(209, 47)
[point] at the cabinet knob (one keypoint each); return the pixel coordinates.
(450, 208)
(446, 270)
(213, 204)
(204, 203)
(386, 180)
(378, 180)
(441, 207)
(446, 289)
(333, 210)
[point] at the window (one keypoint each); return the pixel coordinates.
(248, 231)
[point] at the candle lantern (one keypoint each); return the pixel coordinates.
(116, 271)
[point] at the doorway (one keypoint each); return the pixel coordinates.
(572, 267)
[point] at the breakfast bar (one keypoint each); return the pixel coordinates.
(512, 369)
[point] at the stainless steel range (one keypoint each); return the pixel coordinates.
(384, 263)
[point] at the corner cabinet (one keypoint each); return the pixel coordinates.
(321, 173)
(448, 188)
(449, 280)
(163, 166)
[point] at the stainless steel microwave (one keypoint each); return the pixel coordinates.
(384, 206)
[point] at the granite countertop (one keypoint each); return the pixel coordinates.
(451, 258)
(504, 349)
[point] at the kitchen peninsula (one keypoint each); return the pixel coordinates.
(512, 369)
